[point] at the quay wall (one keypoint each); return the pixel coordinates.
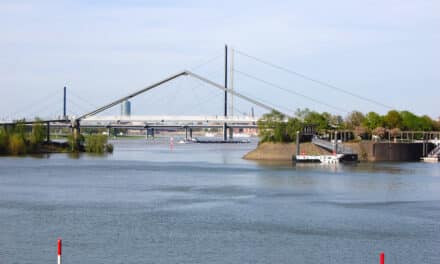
(366, 150)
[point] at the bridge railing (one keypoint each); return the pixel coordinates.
(164, 118)
(435, 152)
(341, 149)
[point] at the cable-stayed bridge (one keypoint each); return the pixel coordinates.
(97, 117)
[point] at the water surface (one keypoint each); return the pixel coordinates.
(202, 203)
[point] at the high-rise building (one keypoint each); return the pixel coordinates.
(126, 108)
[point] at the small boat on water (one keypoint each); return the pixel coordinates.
(327, 159)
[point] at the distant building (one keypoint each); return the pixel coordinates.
(126, 108)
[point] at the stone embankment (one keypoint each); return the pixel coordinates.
(366, 150)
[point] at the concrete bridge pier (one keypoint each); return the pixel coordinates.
(149, 132)
(47, 131)
(76, 133)
(190, 133)
(225, 131)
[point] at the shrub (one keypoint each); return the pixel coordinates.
(4, 141)
(75, 145)
(109, 148)
(17, 145)
(98, 144)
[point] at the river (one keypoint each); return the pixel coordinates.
(202, 203)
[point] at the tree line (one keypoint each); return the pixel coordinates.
(276, 127)
(19, 139)
(16, 140)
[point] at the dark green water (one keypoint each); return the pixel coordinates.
(204, 204)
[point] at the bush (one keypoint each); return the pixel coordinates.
(17, 145)
(109, 148)
(75, 145)
(98, 144)
(4, 141)
(38, 134)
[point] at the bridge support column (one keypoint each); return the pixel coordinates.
(225, 132)
(297, 143)
(186, 133)
(231, 132)
(190, 133)
(76, 133)
(48, 132)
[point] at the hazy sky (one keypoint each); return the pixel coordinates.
(384, 50)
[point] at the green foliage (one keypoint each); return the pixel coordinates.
(75, 143)
(17, 144)
(393, 119)
(19, 129)
(322, 121)
(354, 119)
(4, 141)
(38, 134)
(426, 123)
(373, 120)
(98, 144)
(109, 148)
(274, 127)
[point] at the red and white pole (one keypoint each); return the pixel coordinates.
(382, 258)
(59, 250)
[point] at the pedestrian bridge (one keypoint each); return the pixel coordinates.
(155, 119)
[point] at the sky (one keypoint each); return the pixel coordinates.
(386, 51)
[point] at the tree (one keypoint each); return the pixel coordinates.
(315, 118)
(373, 120)
(274, 127)
(269, 126)
(393, 119)
(410, 121)
(354, 119)
(293, 125)
(4, 141)
(38, 134)
(426, 123)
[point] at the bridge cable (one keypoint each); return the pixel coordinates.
(290, 91)
(200, 65)
(314, 80)
(287, 109)
(36, 103)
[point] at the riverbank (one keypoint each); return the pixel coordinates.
(366, 150)
(282, 151)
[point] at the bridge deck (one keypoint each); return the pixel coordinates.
(341, 149)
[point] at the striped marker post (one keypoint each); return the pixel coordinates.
(382, 258)
(59, 250)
